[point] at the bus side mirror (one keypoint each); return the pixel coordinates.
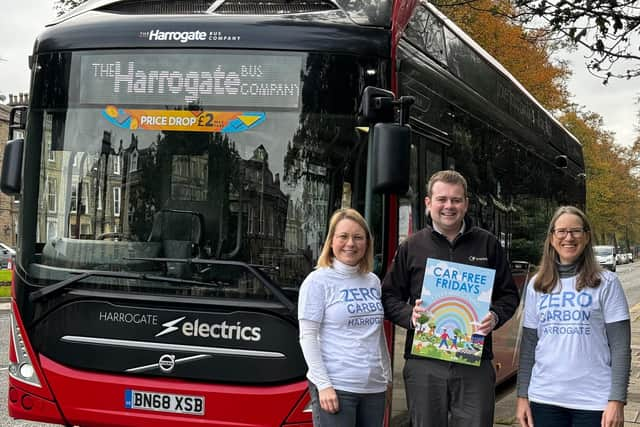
(17, 121)
(391, 151)
(11, 177)
(377, 105)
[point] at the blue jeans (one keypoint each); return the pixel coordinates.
(556, 416)
(356, 409)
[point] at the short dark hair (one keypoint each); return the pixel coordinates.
(448, 176)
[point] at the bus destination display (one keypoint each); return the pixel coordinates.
(218, 80)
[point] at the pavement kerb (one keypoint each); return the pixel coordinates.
(5, 303)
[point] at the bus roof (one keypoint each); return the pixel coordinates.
(493, 62)
(366, 12)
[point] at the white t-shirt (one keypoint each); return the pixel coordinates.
(347, 306)
(572, 365)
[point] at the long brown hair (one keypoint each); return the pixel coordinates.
(326, 256)
(586, 265)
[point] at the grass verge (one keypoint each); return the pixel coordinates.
(5, 291)
(5, 282)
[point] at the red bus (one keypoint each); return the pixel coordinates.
(180, 162)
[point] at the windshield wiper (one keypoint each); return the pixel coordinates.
(50, 289)
(255, 270)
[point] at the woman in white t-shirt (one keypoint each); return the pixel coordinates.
(341, 332)
(575, 352)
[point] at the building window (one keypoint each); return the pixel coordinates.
(84, 202)
(47, 131)
(116, 201)
(99, 202)
(133, 161)
(74, 197)
(85, 229)
(116, 165)
(52, 190)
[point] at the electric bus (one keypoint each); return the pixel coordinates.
(179, 163)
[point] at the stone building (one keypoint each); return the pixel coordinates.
(8, 204)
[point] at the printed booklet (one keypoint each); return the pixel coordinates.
(457, 298)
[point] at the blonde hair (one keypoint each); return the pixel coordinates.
(587, 267)
(326, 256)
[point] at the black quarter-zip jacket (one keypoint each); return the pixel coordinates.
(402, 284)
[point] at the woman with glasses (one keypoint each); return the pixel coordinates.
(575, 351)
(341, 333)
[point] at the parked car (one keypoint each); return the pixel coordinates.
(630, 256)
(606, 256)
(7, 255)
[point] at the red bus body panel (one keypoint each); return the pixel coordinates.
(96, 399)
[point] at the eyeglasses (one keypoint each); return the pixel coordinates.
(344, 237)
(561, 233)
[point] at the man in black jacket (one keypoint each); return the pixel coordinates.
(440, 393)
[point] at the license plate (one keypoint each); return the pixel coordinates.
(164, 402)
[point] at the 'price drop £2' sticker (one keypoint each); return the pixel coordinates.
(181, 120)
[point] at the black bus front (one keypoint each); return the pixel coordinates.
(174, 196)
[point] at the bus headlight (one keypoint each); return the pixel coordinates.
(26, 371)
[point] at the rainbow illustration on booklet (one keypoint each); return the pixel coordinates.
(457, 297)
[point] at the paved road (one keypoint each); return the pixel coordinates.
(505, 407)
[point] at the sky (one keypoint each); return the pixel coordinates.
(24, 19)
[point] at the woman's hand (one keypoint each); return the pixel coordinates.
(523, 412)
(329, 400)
(613, 415)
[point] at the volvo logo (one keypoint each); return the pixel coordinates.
(167, 362)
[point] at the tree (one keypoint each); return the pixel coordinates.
(608, 29)
(63, 6)
(612, 187)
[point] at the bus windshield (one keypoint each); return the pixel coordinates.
(158, 155)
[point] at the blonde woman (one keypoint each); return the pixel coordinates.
(575, 354)
(341, 332)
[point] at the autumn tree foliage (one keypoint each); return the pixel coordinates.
(608, 29)
(613, 199)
